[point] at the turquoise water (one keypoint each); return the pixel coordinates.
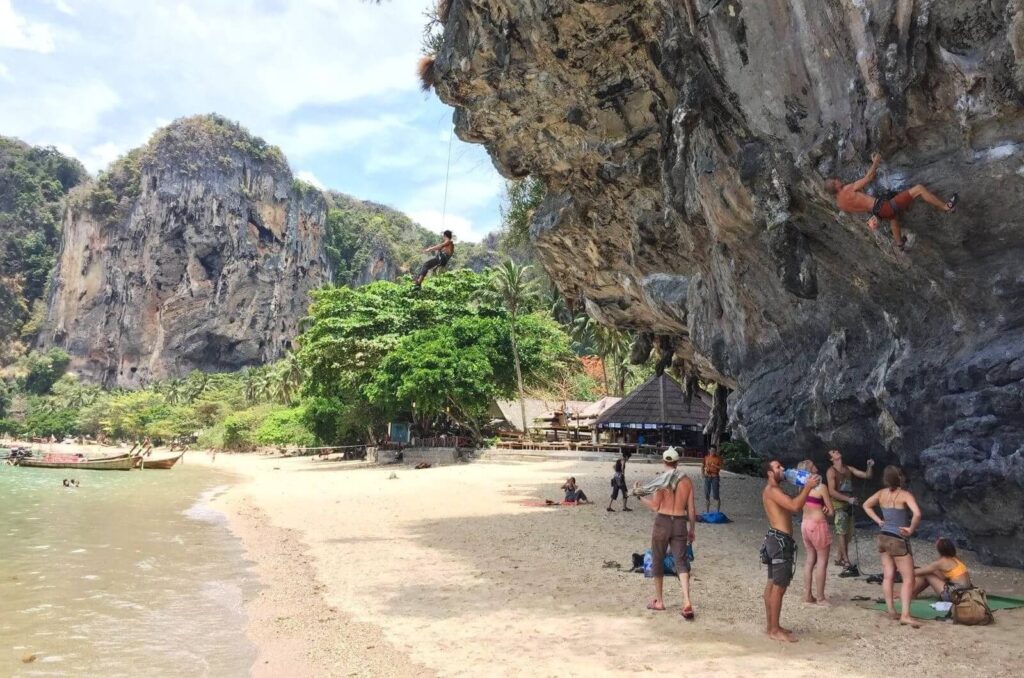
(128, 575)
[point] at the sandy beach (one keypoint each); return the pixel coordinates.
(444, 571)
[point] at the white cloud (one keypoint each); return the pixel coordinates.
(101, 155)
(54, 113)
(5, 73)
(436, 221)
(311, 179)
(63, 7)
(17, 32)
(310, 138)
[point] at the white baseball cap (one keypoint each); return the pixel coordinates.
(670, 454)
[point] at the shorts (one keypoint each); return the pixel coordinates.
(619, 488)
(948, 590)
(669, 533)
(897, 547)
(844, 519)
(816, 534)
(711, 487)
(893, 207)
(778, 552)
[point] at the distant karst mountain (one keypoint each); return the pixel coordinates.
(33, 185)
(197, 251)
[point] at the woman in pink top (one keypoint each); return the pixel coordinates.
(817, 536)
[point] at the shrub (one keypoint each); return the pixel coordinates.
(285, 427)
(739, 458)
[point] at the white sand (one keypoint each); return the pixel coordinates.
(443, 571)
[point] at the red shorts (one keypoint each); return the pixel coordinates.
(890, 209)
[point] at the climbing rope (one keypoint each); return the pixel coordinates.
(447, 173)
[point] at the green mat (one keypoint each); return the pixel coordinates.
(921, 608)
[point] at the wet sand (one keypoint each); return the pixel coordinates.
(444, 571)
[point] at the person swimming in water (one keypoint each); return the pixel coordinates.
(850, 198)
(443, 252)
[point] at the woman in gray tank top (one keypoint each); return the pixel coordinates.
(900, 518)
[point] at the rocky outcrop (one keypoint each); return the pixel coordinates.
(197, 251)
(684, 145)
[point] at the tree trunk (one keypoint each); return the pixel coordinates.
(519, 376)
(604, 374)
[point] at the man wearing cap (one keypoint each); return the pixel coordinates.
(670, 496)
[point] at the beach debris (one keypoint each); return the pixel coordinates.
(612, 564)
(29, 658)
(393, 476)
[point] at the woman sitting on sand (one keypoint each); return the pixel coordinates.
(945, 575)
(573, 493)
(817, 534)
(900, 518)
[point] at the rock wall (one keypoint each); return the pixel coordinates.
(684, 145)
(195, 252)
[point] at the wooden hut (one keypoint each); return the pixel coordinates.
(656, 413)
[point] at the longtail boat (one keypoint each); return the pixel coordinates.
(122, 462)
(165, 463)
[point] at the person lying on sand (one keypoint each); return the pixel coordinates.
(851, 199)
(573, 493)
(674, 527)
(778, 551)
(946, 575)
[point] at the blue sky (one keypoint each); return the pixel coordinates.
(332, 82)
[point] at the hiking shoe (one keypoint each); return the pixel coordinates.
(627, 509)
(610, 510)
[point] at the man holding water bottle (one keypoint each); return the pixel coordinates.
(778, 551)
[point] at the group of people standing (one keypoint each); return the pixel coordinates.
(893, 508)
(827, 516)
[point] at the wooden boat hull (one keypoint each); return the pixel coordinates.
(160, 463)
(120, 463)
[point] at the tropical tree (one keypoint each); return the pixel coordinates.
(517, 291)
(610, 344)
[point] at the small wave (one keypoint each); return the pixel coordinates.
(201, 510)
(90, 577)
(41, 547)
(79, 551)
(51, 658)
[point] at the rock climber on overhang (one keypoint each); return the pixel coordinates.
(443, 253)
(851, 199)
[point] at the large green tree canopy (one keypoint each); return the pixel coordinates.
(382, 350)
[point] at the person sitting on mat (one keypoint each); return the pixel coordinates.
(443, 253)
(850, 198)
(573, 493)
(945, 575)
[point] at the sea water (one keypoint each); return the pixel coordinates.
(131, 574)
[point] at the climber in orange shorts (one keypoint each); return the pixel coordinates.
(851, 199)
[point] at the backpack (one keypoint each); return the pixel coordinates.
(970, 607)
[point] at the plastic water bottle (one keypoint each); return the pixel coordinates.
(797, 477)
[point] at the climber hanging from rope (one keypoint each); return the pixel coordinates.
(851, 199)
(442, 252)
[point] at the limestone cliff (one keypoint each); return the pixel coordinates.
(684, 145)
(196, 251)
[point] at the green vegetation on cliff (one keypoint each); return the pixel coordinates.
(33, 184)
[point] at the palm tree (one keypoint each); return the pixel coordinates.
(516, 290)
(610, 344)
(288, 377)
(175, 391)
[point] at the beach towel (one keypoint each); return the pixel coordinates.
(667, 480)
(921, 608)
(713, 517)
(547, 503)
(669, 562)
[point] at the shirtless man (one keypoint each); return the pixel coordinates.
(674, 527)
(778, 551)
(840, 487)
(851, 199)
(442, 252)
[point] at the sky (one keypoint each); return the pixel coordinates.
(332, 82)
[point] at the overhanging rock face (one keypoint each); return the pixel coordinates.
(684, 145)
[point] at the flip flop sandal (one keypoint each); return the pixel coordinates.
(860, 598)
(688, 614)
(952, 203)
(652, 606)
